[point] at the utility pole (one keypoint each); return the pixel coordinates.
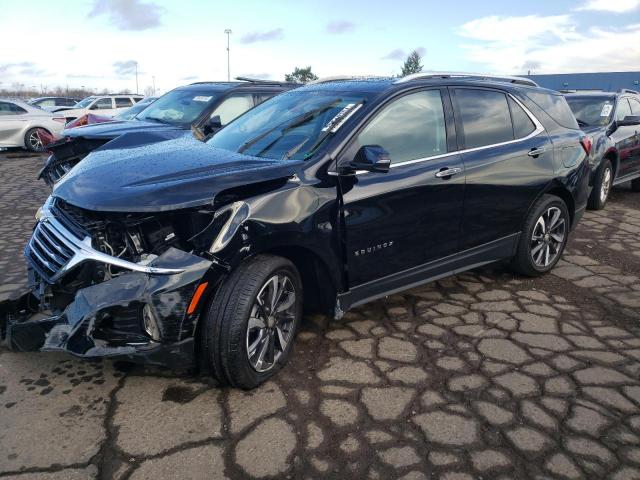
(228, 32)
(136, 77)
(154, 84)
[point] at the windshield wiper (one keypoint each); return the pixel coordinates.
(287, 125)
(582, 123)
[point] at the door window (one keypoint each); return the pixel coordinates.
(233, 107)
(624, 110)
(123, 102)
(635, 106)
(522, 124)
(261, 97)
(102, 104)
(49, 102)
(7, 108)
(409, 128)
(485, 117)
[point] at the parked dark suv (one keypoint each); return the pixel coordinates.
(204, 106)
(322, 198)
(612, 120)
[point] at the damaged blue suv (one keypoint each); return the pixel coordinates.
(320, 199)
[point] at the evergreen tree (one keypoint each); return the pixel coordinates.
(300, 75)
(412, 64)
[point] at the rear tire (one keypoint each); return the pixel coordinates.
(249, 328)
(543, 237)
(601, 186)
(635, 185)
(32, 140)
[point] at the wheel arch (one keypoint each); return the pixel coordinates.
(612, 156)
(319, 287)
(557, 189)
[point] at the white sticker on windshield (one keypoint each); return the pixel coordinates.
(343, 115)
(606, 110)
(201, 98)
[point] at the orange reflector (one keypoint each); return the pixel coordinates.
(196, 297)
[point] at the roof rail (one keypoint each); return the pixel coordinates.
(331, 79)
(477, 76)
(336, 78)
(628, 90)
(260, 80)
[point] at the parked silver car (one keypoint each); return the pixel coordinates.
(21, 125)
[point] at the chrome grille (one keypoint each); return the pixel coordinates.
(58, 244)
(50, 249)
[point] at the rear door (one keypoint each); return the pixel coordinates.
(507, 158)
(122, 103)
(103, 106)
(396, 222)
(13, 120)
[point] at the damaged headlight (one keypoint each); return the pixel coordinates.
(238, 213)
(150, 323)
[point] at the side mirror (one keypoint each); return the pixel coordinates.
(214, 123)
(371, 158)
(629, 120)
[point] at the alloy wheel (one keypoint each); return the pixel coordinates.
(35, 141)
(606, 185)
(548, 237)
(271, 322)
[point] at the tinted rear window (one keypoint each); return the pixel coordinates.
(522, 124)
(556, 107)
(485, 117)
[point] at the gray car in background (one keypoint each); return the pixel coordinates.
(21, 125)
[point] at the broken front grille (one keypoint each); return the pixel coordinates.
(50, 249)
(55, 172)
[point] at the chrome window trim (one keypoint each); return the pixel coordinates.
(538, 130)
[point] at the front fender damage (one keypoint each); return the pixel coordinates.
(107, 319)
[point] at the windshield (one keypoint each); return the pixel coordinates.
(179, 107)
(84, 103)
(591, 111)
(291, 125)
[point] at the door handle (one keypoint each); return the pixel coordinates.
(536, 152)
(448, 172)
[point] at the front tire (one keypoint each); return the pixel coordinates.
(250, 326)
(602, 186)
(543, 238)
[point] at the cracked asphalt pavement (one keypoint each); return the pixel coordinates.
(483, 375)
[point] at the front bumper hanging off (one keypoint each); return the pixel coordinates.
(135, 316)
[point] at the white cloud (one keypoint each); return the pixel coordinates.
(615, 6)
(550, 44)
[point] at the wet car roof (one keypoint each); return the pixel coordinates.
(217, 86)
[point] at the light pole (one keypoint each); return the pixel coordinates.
(228, 32)
(154, 84)
(136, 77)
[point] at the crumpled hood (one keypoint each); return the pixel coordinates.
(116, 128)
(162, 176)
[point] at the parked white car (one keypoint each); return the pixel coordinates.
(20, 124)
(103, 105)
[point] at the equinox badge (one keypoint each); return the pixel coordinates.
(373, 248)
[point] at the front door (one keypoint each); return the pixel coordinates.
(628, 139)
(402, 219)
